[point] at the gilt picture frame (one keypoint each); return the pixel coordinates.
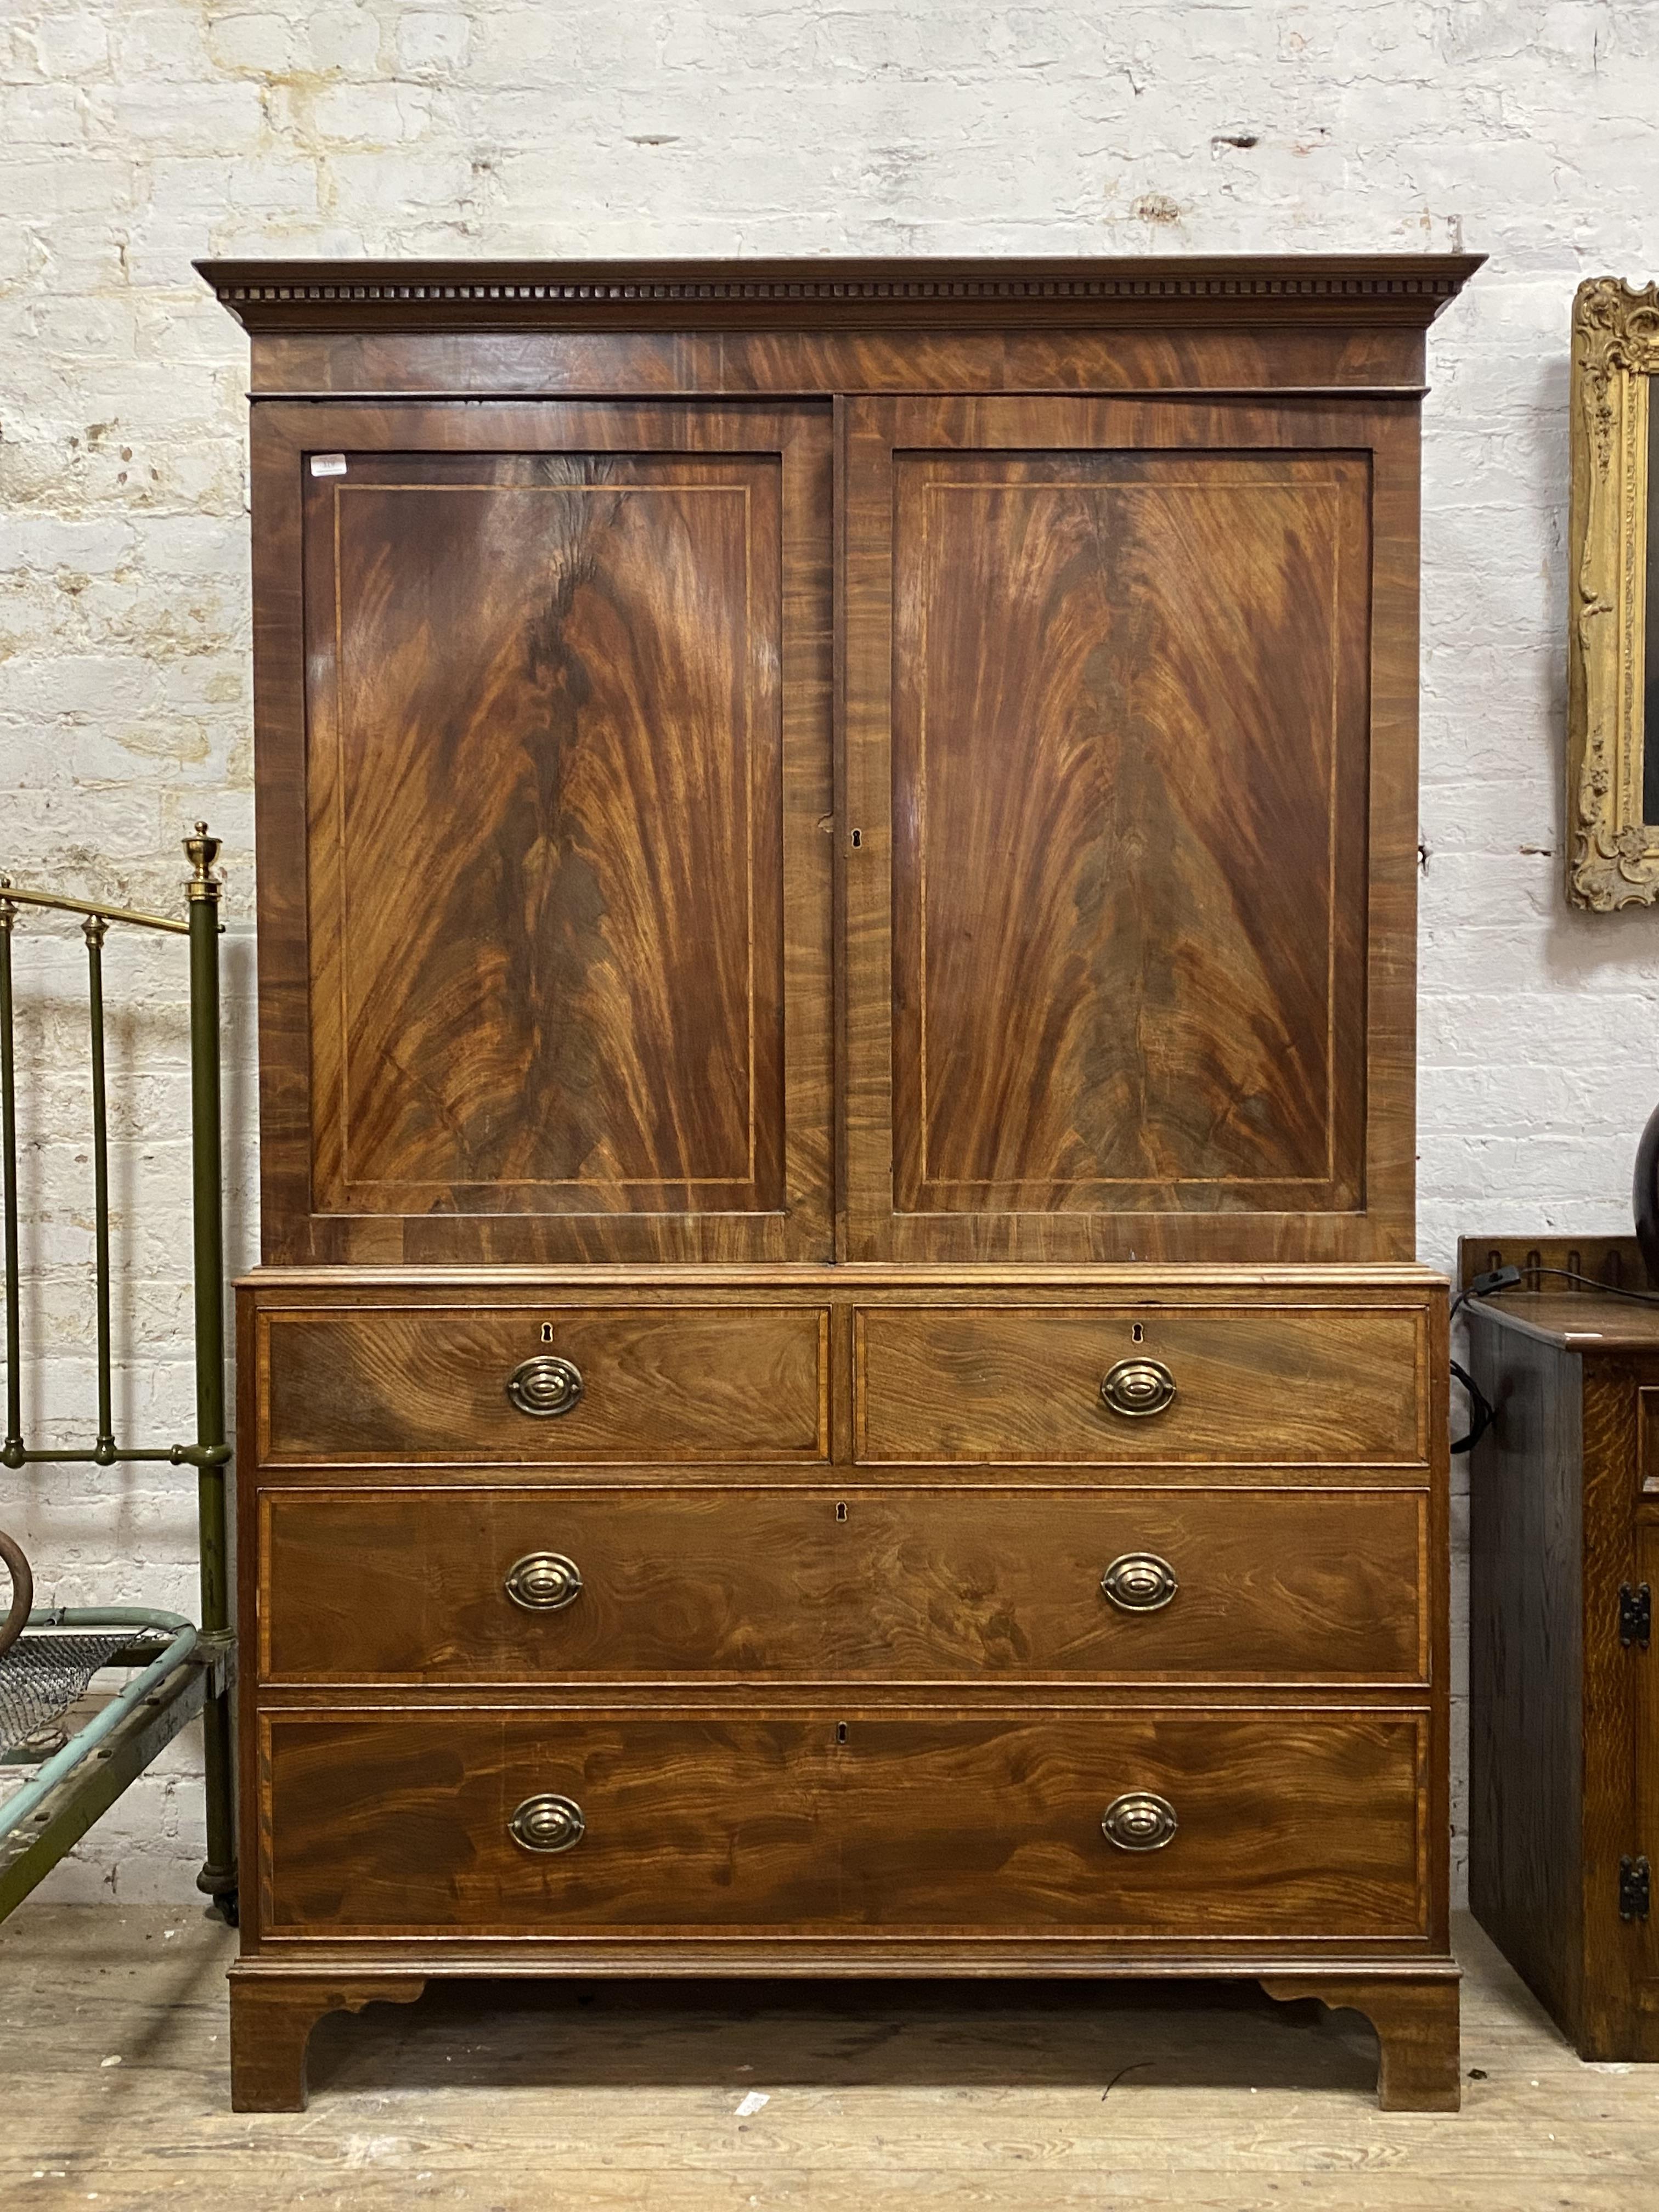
(1612, 771)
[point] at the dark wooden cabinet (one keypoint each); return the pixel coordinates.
(1563, 1713)
(838, 1383)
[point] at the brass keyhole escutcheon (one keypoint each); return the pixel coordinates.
(1139, 1581)
(544, 1385)
(542, 1581)
(548, 1823)
(1138, 1387)
(1140, 1820)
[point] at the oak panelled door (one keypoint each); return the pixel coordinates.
(564, 758)
(1112, 670)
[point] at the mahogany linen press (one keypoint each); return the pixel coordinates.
(839, 1384)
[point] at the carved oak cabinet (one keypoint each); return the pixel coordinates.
(839, 1384)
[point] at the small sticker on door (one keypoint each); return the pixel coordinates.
(328, 464)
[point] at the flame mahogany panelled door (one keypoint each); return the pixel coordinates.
(563, 937)
(1130, 778)
(1129, 711)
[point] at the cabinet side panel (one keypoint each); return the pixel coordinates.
(1526, 1644)
(1641, 1937)
(288, 1228)
(1392, 850)
(1616, 2020)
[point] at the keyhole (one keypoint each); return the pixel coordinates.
(1137, 1333)
(840, 1731)
(841, 1512)
(858, 839)
(547, 1332)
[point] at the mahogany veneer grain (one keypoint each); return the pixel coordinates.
(837, 846)
(1293, 1825)
(407, 1585)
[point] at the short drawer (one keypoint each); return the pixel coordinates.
(472, 1585)
(1190, 1385)
(1176, 1825)
(387, 1383)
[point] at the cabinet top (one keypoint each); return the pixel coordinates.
(1140, 291)
(1579, 1293)
(1575, 1321)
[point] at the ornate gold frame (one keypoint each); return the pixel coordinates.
(1613, 857)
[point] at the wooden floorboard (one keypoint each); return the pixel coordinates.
(936, 2095)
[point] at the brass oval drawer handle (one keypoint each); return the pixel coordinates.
(544, 1385)
(542, 1581)
(1138, 1387)
(548, 1823)
(1140, 1820)
(1139, 1581)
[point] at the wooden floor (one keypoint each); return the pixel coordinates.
(113, 2092)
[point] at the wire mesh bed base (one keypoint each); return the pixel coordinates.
(44, 1674)
(50, 1667)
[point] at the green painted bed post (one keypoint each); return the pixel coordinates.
(94, 928)
(218, 1877)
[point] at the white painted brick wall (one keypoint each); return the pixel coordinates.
(133, 138)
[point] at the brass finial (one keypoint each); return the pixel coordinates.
(201, 851)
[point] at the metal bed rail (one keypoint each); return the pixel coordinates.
(194, 1671)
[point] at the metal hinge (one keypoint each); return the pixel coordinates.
(1634, 1889)
(1635, 1614)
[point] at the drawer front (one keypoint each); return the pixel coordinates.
(1252, 1385)
(521, 1586)
(387, 1383)
(413, 1585)
(1286, 1824)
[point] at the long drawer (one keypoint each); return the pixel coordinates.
(1153, 1825)
(470, 1585)
(531, 1384)
(1241, 1382)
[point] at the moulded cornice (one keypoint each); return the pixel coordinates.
(333, 295)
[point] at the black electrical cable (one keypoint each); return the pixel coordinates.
(1505, 1279)
(1482, 1412)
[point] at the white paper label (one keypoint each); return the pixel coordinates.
(328, 464)
(751, 2104)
